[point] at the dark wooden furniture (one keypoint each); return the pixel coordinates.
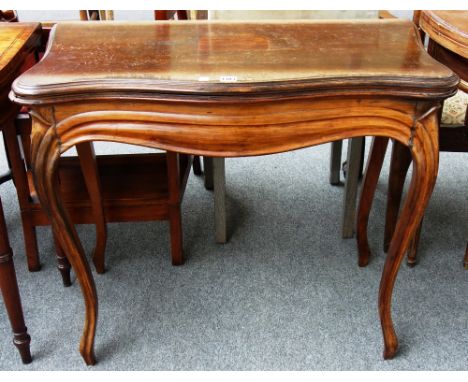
(18, 146)
(168, 15)
(17, 41)
(101, 195)
(250, 94)
(10, 293)
(448, 43)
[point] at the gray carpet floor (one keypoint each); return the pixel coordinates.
(285, 293)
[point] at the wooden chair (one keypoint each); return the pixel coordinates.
(352, 169)
(447, 43)
(8, 16)
(93, 188)
(214, 168)
(15, 45)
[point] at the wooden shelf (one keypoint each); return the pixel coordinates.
(134, 187)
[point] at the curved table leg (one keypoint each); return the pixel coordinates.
(425, 153)
(11, 296)
(46, 153)
(374, 165)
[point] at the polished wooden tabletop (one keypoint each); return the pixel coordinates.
(447, 28)
(225, 58)
(16, 41)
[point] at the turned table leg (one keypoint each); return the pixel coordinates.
(63, 265)
(11, 296)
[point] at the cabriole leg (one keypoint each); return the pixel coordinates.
(46, 155)
(425, 153)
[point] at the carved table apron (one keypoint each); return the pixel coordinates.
(238, 89)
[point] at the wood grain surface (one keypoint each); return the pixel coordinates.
(219, 58)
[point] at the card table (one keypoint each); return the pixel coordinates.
(17, 41)
(234, 89)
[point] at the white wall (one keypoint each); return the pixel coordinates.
(225, 15)
(75, 15)
(307, 14)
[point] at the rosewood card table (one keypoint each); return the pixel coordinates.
(17, 41)
(238, 89)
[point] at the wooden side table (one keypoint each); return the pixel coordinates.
(17, 41)
(237, 90)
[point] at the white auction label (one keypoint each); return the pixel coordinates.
(228, 79)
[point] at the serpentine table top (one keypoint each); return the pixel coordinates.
(234, 89)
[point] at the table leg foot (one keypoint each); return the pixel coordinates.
(35, 268)
(22, 341)
(88, 356)
(374, 165)
(100, 267)
(390, 350)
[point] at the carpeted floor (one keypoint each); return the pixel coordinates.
(284, 293)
